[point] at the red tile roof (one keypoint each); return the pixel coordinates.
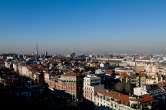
(108, 72)
(35, 67)
(123, 75)
(162, 84)
(113, 94)
(141, 75)
(146, 98)
(72, 74)
(123, 97)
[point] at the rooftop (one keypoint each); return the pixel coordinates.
(123, 97)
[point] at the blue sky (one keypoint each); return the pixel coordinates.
(82, 24)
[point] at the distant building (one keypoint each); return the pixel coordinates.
(15, 67)
(73, 55)
(9, 64)
(45, 54)
(139, 68)
(124, 70)
(99, 72)
(138, 79)
(102, 65)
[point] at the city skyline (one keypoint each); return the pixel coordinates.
(82, 25)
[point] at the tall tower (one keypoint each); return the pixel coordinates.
(46, 54)
(37, 51)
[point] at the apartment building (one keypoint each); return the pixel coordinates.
(91, 84)
(111, 100)
(71, 83)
